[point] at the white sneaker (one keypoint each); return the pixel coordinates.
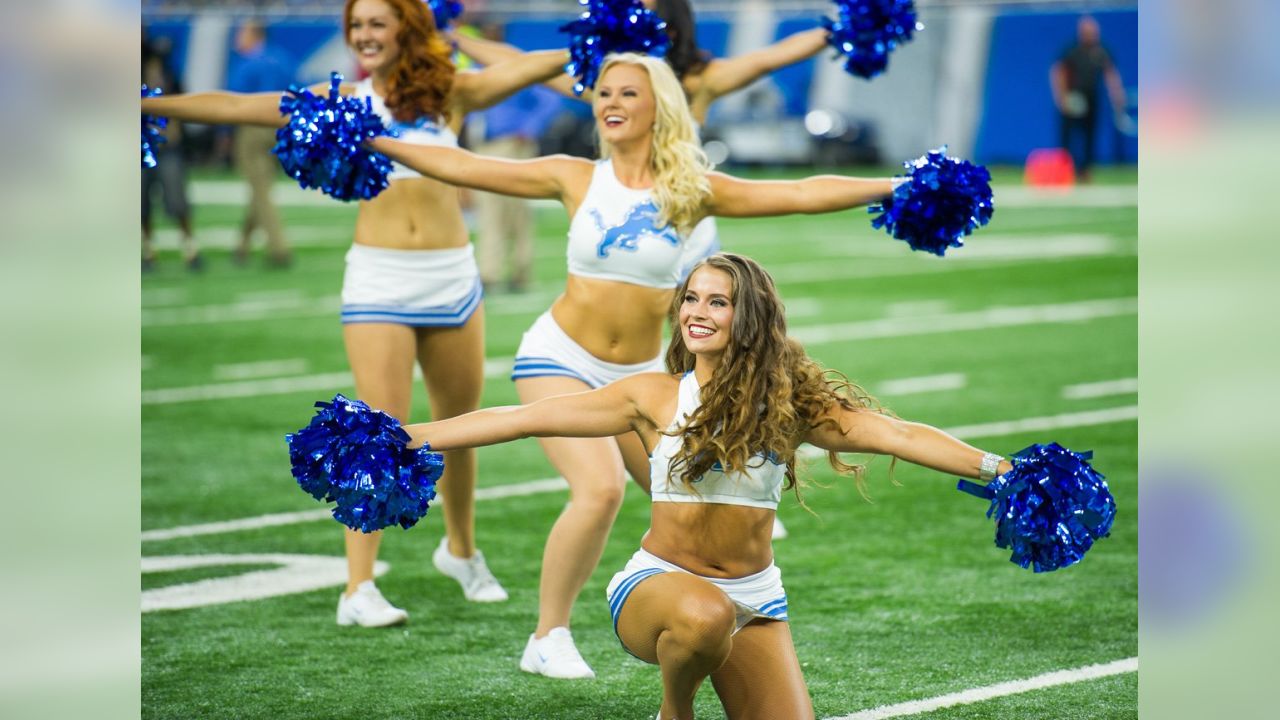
(555, 656)
(478, 584)
(779, 531)
(367, 607)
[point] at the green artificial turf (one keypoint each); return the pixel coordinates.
(898, 599)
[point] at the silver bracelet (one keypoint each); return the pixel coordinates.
(990, 464)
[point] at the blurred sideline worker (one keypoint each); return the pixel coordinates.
(1074, 81)
(170, 172)
(509, 130)
(259, 68)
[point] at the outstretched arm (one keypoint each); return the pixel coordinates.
(226, 108)
(611, 410)
(735, 197)
(480, 89)
(867, 431)
(1115, 88)
(491, 52)
(1058, 85)
(724, 76)
(544, 177)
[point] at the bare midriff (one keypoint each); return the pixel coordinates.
(721, 541)
(616, 322)
(412, 214)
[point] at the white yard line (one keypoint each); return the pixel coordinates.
(535, 487)
(980, 694)
(259, 369)
(1106, 388)
(1021, 196)
(922, 384)
(987, 318)
(322, 382)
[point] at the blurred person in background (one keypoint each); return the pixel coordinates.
(1074, 80)
(170, 173)
(259, 67)
(411, 291)
(510, 129)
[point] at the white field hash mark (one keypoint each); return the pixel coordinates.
(1005, 427)
(1106, 388)
(1014, 687)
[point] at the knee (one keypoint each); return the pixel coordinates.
(702, 623)
(601, 497)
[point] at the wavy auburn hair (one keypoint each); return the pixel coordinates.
(420, 83)
(767, 393)
(680, 184)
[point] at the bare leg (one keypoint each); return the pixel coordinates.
(762, 678)
(594, 469)
(452, 362)
(684, 624)
(381, 358)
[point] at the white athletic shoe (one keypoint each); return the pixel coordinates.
(555, 656)
(367, 607)
(478, 584)
(779, 531)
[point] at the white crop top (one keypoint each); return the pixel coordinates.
(613, 235)
(422, 131)
(760, 486)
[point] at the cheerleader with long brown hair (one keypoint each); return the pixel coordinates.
(702, 597)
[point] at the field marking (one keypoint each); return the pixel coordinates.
(987, 318)
(1106, 388)
(1021, 196)
(535, 487)
(1014, 687)
(323, 382)
(922, 384)
(992, 252)
(259, 369)
(295, 574)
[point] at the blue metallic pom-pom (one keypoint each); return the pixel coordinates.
(866, 31)
(357, 457)
(1049, 508)
(151, 127)
(939, 201)
(322, 146)
(444, 11)
(611, 26)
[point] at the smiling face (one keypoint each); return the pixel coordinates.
(706, 312)
(372, 31)
(624, 104)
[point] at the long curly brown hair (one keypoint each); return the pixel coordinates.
(420, 83)
(767, 393)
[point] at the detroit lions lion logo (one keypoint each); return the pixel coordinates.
(641, 221)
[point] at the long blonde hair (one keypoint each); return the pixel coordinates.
(680, 184)
(767, 393)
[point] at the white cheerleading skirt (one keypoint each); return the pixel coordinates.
(547, 350)
(759, 595)
(421, 288)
